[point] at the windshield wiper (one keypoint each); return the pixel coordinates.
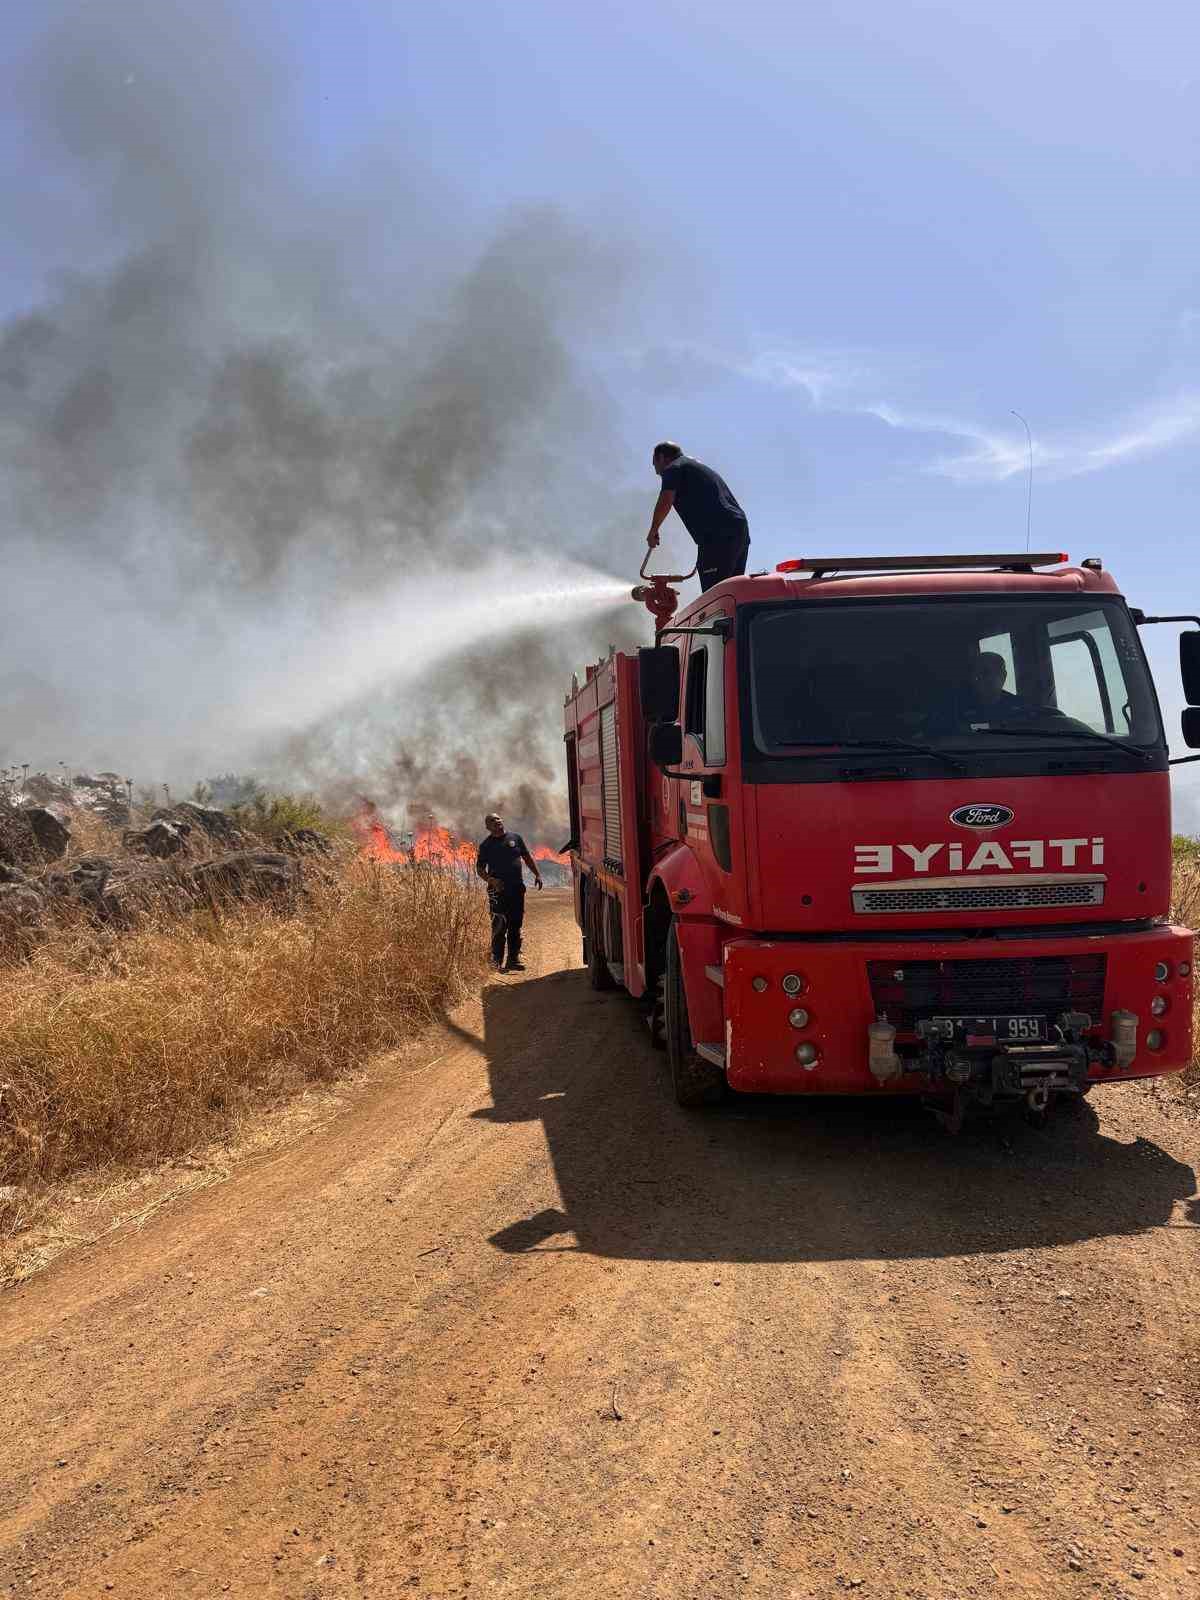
(1144, 756)
(952, 762)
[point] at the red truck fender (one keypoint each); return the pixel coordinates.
(676, 890)
(677, 875)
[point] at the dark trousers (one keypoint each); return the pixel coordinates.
(508, 913)
(721, 558)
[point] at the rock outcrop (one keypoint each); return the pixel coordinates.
(51, 833)
(161, 838)
(187, 856)
(104, 793)
(216, 825)
(31, 835)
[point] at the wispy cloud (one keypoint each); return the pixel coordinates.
(992, 457)
(831, 378)
(856, 384)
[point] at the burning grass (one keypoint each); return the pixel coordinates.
(126, 1050)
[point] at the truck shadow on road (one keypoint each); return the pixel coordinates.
(787, 1180)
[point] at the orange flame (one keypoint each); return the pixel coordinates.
(440, 848)
(377, 843)
(431, 843)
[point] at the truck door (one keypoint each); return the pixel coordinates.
(704, 800)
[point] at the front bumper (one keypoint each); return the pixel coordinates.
(760, 1045)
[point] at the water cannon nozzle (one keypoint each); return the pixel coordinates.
(659, 599)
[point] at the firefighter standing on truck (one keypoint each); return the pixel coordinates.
(499, 863)
(705, 505)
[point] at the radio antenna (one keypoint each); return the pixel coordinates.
(1029, 492)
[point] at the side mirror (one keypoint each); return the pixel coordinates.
(658, 682)
(1189, 665)
(666, 744)
(1191, 727)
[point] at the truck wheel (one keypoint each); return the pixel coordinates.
(696, 1082)
(597, 964)
(656, 1016)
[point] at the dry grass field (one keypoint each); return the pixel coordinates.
(121, 1049)
(127, 1047)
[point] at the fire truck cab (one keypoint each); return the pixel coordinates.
(888, 825)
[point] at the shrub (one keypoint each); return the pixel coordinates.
(227, 790)
(270, 818)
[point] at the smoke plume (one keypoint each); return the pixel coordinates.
(312, 482)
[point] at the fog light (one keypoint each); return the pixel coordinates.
(1185, 969)
(1162, 972)
(1155, 1039)
(793, 983)
(806, 1055)
(1158, 1006)
(758, 984)
(798, 1018)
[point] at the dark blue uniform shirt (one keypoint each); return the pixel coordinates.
(500, 857)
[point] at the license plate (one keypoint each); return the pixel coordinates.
(992, 1030)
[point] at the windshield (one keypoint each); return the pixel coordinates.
(949, 675)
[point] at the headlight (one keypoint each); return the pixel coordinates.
(798, 1018)
(806, 1055)
(1155, 1039)
(1162, 971)
(758, 985)
(794, 983)
(1185, 969)
(1159, 1004)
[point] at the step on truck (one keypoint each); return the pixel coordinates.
(888, 826)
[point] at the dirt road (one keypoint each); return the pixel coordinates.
(516, 1325)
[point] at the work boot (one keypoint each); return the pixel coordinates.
(515, 966)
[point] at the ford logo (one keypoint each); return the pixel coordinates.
(982, 816)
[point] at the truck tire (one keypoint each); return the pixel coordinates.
(656, 1014)
(696, 1082)
(597, 962)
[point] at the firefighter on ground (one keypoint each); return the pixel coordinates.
(499, 863)
(705, 505)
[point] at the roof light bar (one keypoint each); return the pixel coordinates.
(820, 564)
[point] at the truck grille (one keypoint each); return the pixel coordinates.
(982, 897)
(907, 992)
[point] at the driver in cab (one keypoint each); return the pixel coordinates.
(986, 701)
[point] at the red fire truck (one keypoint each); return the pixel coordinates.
(895, 825)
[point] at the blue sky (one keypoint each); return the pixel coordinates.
(866, 233)
(893, 224)
(875, 230)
